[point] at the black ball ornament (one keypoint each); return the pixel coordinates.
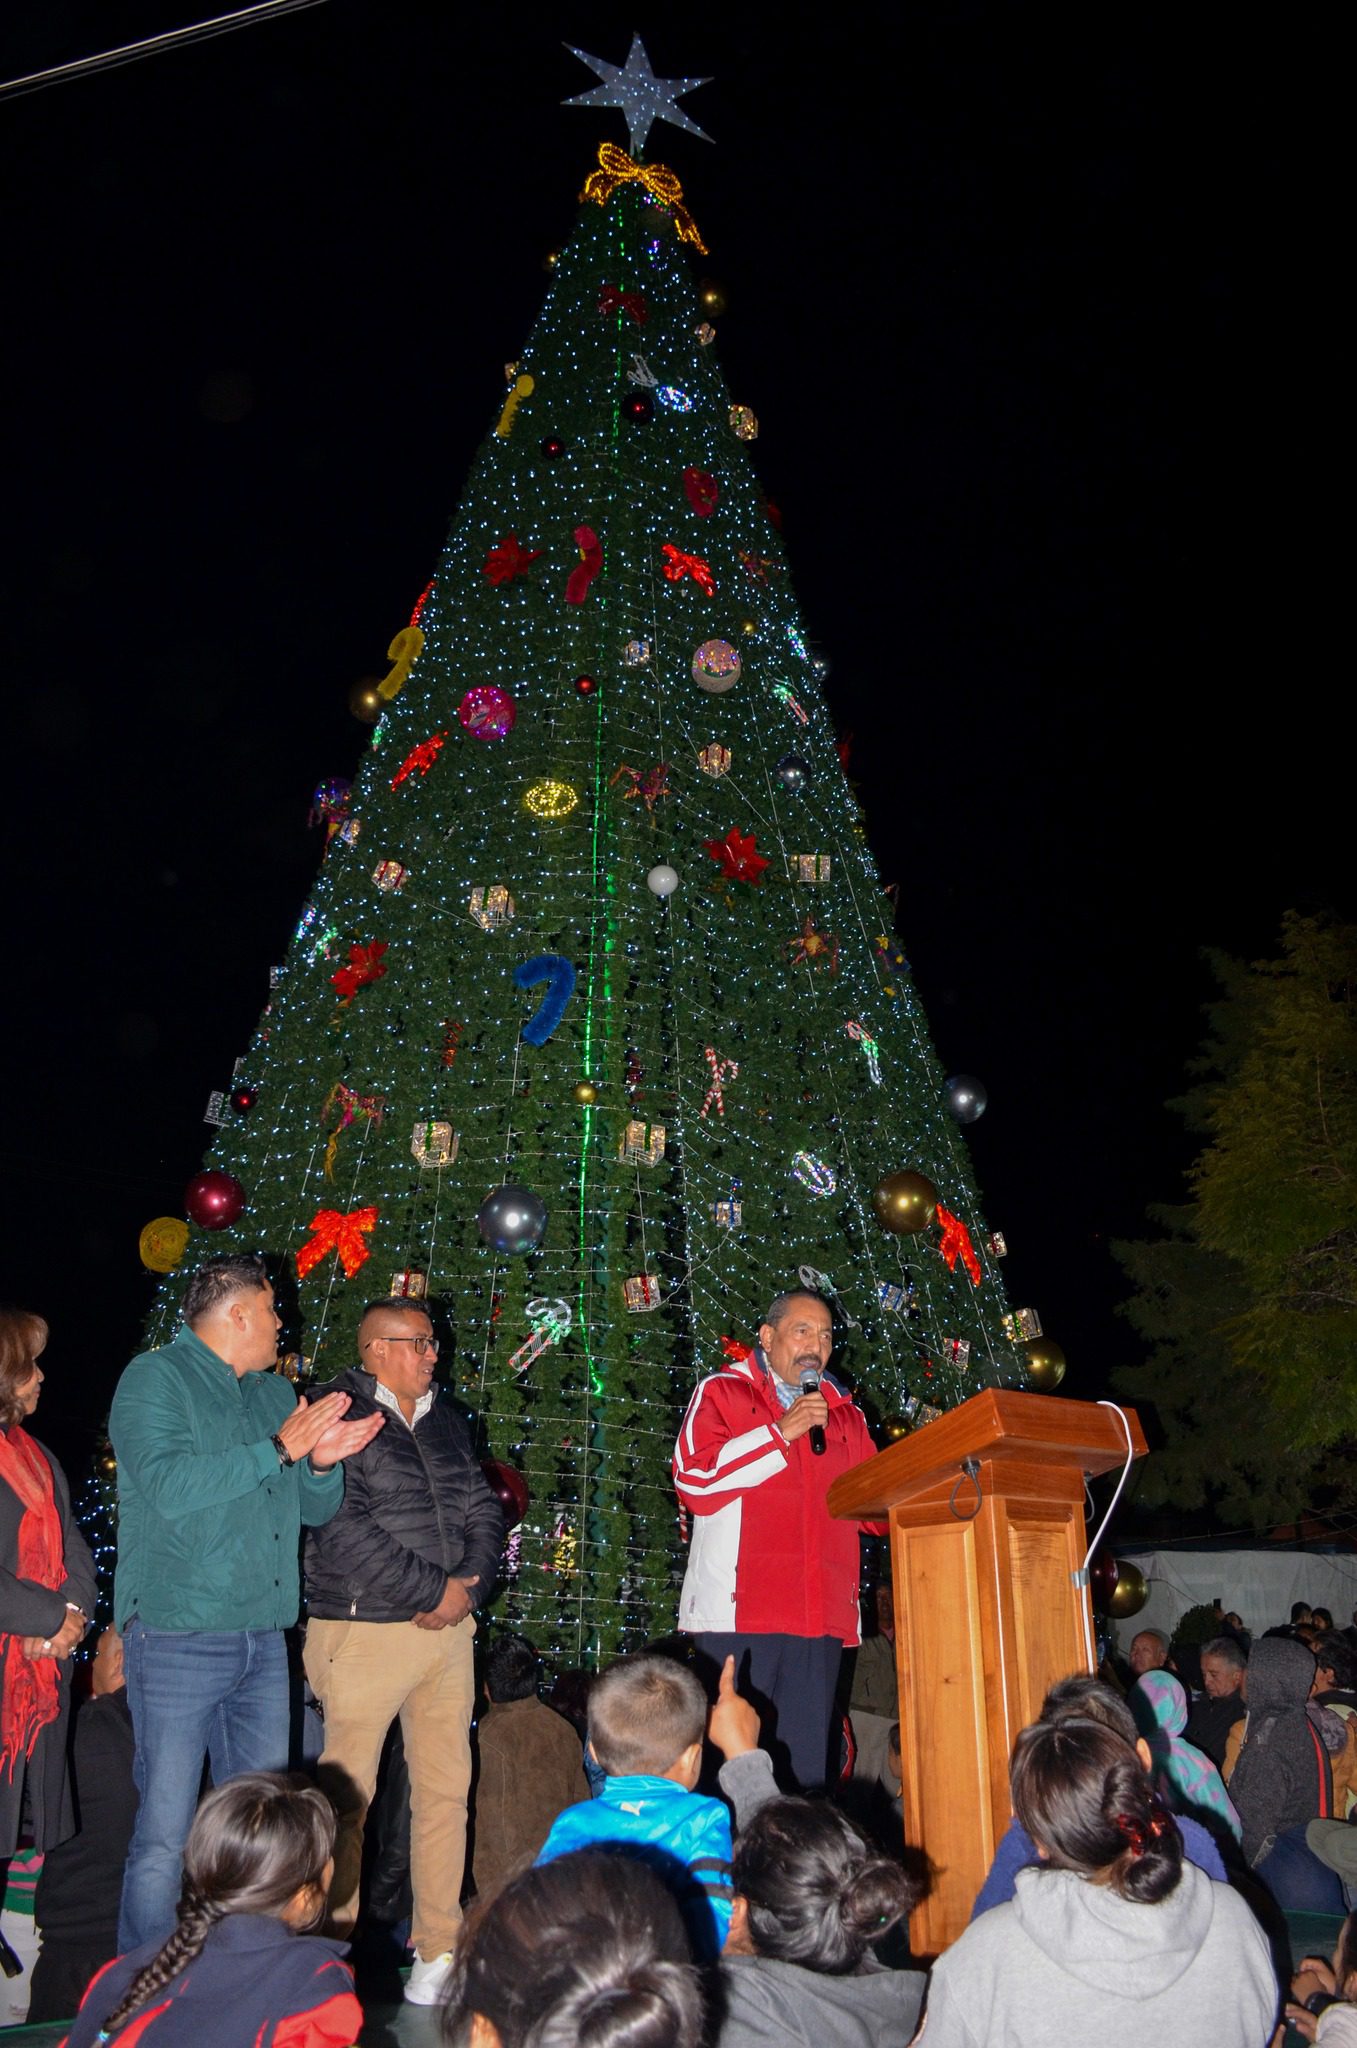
(552, 447)
(793, 772)
(243, 1100)
(639, 408)
(512, 1220)
(965, 1097)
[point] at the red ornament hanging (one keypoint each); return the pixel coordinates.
(587, 567)
(585, 686)
(956, 1244)
(737, 856)
(734, 1352)
(420, 759)
(703, 491)
(421, 601)
(365, 965)
(677, 565)
(650, 785)
(508, 558)
(214, 1199)
(334, 1231)
(612, 300)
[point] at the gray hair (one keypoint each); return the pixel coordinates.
(1228, 1650)
(1164, 1641)
(780, 1303)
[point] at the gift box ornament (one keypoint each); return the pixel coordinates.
(389, 875)
(642, 1143)
(898, 1301)
(641, 1292)
(956, 1351)
(998, 1244)
(810, 867)
(919, 1412)
(715, 761)
(215, 1113)
(1022, 1326)
(492, 907)
(411, 1283)
(434, 1144)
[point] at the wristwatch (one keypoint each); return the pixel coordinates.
(285, 1457)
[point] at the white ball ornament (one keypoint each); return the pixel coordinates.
(663, 880)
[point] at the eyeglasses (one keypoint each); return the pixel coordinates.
(421, 1344)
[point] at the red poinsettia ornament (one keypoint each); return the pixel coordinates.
(365, 965)
(508, 558)
(737, 856)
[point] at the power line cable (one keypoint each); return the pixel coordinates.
(151, 46)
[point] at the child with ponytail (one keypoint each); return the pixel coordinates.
(241, 1964)
(1114, 1938)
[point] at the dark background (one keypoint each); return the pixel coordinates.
(1020, 302)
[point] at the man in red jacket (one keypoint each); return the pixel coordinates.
(772, 1576)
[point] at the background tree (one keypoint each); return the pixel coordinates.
(1249, 1305)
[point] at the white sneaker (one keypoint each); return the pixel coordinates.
(428, 1981)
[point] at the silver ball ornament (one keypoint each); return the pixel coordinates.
(512, 1220)
(965, 1097)
(793, 772)
(662, 880)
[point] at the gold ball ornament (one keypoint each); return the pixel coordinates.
(162, 1244)
(585, 1092)
(894, 1429)
(711, 298)
(749, 626)
(1045, 1363)
(1129, 1594)
(551, 259)
(366, 701)
(905, 1203)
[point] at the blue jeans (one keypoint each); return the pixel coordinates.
(194, 1693)
(1297, 1879)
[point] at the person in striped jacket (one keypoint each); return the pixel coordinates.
(772, 1576)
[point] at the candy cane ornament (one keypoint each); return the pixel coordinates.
(551, 1322)
(869, 1046)
(721, 1070)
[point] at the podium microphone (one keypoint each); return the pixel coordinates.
(810, 1384)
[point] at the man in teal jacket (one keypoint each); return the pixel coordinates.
(219, 1465)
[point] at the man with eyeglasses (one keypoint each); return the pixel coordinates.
(392, 1584)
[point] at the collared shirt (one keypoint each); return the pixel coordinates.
(388, 1400)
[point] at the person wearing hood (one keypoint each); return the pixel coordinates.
(1186, 1780)
(811, 1898)
(1283, 1779)
(1116, 1939)
(392, 1584)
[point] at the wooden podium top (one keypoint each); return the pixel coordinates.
(997, 1426)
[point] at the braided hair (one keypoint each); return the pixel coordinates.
(1082, 1795)
(255, 1843)
(587, 1951)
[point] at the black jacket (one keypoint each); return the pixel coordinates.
(417, 1512)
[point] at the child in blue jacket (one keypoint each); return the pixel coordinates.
(647, 1716)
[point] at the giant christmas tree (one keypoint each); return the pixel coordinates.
(598, 921)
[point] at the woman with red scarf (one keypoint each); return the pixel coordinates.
(47, 1592)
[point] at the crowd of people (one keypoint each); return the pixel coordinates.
(654, 1856)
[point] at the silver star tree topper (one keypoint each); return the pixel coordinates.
(642, 97)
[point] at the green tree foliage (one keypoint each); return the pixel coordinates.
(568, 582)
(1248, 1307)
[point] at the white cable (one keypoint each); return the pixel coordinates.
(1081, 1576)
(151, 46)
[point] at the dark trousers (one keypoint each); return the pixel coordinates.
(791, 1680)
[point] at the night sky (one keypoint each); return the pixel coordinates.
(1014, 293)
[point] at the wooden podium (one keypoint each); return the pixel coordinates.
(987, 1614)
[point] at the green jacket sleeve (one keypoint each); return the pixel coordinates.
(320, 1494)
(152, 1436)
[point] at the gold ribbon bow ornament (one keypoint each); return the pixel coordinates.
(617, 168)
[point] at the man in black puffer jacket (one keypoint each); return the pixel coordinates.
(392, 1583)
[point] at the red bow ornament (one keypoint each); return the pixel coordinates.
(703, 491)
(613, 300)
(735, 1353)
(677, 565)
(333, 1231)
(507, 559)
(365, 965)
(587, 567)
(956, 1244)
(736, 856)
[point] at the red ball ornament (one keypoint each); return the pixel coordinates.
(552, 447)
(1103, 1574)
(639, 407)
(243, 1100)
(510, 1489)
(214, 1199)
(585, 686)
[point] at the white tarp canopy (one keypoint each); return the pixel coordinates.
(1260, 1585)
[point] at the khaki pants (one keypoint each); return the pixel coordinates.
(364, 1673)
